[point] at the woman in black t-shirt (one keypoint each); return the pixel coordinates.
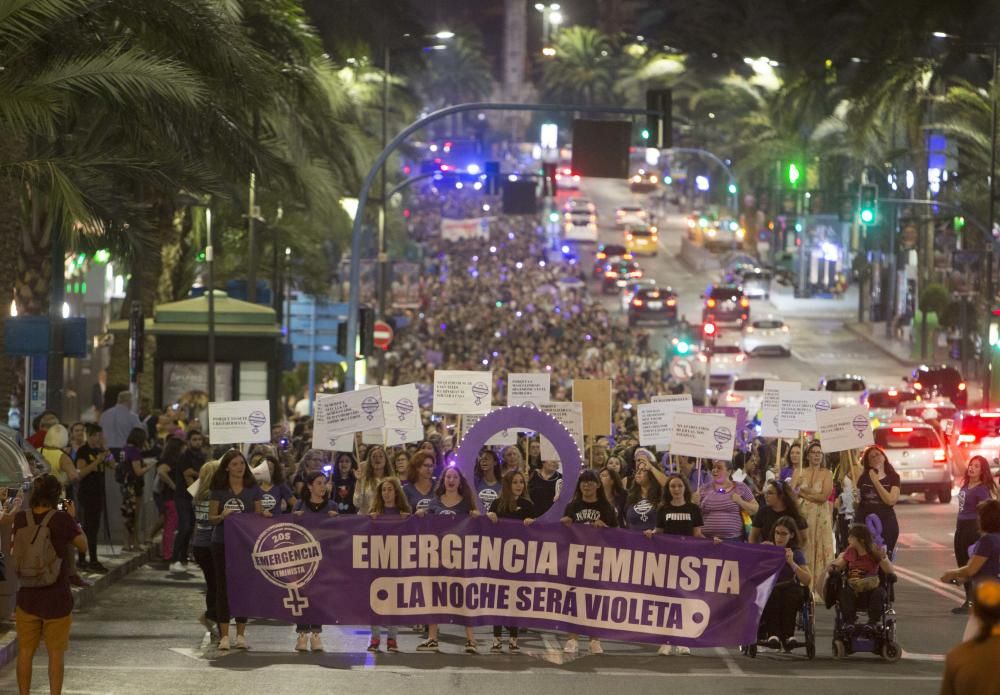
(878, 489)
(677, 514)
(543, 487)
(513, 503)
(779, 501)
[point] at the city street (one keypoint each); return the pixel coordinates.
(142, 637)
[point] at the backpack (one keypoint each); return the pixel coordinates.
(35, 558)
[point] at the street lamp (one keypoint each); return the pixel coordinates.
(552, 17)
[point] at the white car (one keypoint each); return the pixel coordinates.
(746, 392)
(580, 204)
(629, 292)
(919, 456)
(724, 360)
(844, 389)
(767, 334)
(725, 233)
(580, 226)
(631, 214)
(567, 180)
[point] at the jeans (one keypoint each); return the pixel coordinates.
(392, 631)
(185, 529)
(203, 556)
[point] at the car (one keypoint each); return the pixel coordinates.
(579, 203)
(940, 380)
(633, 287)
(767, 334)
(845, 389)
(642, 240)
(609, 253)
(755, 282)
(724, 234)
(974, 433)
(746, 392)
(618, 275)
(931, 410)
(725, 304)
(580, 226)
(567, 180)
(697, 223)
(653, 304)
(644, 181)
(631, 214)
(724, 360)
(918, 455)
(884, 400)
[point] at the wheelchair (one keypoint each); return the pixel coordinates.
(805, 623)
(878, 638)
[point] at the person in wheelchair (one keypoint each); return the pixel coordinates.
(778, 619)
(861, 563)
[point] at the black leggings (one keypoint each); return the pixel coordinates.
(91, 507)
(849, 603)
(966, 533)
(890, 528)
(203, 556)
(222, 593)
(498, 631)
(781, 610)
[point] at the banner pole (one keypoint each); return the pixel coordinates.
(802, 446)
(777, 461)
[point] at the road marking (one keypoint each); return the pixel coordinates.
(729, 661)
(923, 657)
(915, 540)
(946, 590)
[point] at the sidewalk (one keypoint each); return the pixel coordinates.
(874, 335)
(119, 566)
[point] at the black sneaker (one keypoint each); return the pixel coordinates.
(97, 568)
(471, 647)
(773, 642)
(789, 644)
(961, 610)
(430, 645)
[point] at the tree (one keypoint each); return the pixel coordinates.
(582, 71)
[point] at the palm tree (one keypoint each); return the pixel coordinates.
(582, 71)
(458, 74)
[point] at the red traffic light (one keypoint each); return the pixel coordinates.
(709, 329)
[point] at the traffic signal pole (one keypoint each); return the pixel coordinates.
(357, 230)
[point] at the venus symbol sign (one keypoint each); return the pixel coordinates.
(288, 556)
(860, 424)
(722, 436)
(370, 406)
(404, 406)
(480, 391)
(256, 420)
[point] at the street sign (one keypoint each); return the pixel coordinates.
(382, 335)
(681, 368)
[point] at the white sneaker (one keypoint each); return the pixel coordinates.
(315, 642)
(595, 647)
(302, 642)
(682, 651)
(572, 646)
(241, 642)
(665, 650)
(224, 644)
(177, 567)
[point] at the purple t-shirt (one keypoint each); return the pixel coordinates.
(487, 493)
(721, 515)
(277, 500)
(640, 516)
(988, 546)
(969, 498)
(309, 508)
(417, 499)
(441, 509)
(227, 499)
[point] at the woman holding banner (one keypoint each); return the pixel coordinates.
(316, 501)
(276, 496)
(374, 470)
(723, 502)
(778, 618)
(452, 497)
(543, 486)
(487, 477)
(614, 491)
(814, 483)
(643, 498)
(513, 503)
(390, 502)
(344, 481)
(878, 490)
(420, 481)
(234, 491)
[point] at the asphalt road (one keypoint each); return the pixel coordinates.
(142, 636)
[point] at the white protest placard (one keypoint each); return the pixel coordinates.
(462, 393)
(332, 442)
(844, 428)
(656, 419)
(703, 435)
(529, 388)
(502, 438)
(570, 414)
(770, 405)
(395, 436)
(797, 410)
(352, 411)
(400, 405)
(239, 422)
(376, 436)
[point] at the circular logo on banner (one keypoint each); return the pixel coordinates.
(288, 556)
(523, 419)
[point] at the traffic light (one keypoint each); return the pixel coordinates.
(868, 206)
(659, 125)
(732, 189)
(794, 173)
(681, 346)
(708, 334)
(549, 179)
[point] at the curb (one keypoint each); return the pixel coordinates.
(867, 337)
(85, 596)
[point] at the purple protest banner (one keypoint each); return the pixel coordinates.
(606, 583)
(742, 437)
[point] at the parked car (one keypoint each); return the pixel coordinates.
(940, 380)
(845, 389)
(916, 451)
(884, 400)
(609, 253)
(653, 304)
(725, 304)
(642, 240)
(618, 275)
(974, 433)
(767, 334)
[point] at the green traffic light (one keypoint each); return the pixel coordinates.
(682, 348)
(732, 189)
(553, 216)
(793, 173)
(867, 216)
(645, 133)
